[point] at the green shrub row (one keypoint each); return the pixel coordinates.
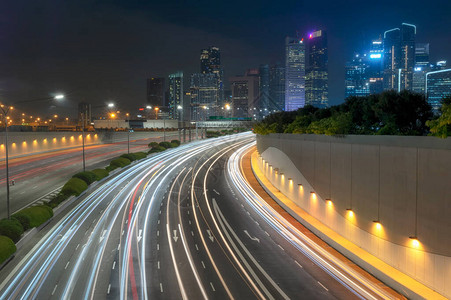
(159, 147)
(134, 156)
(7, 248)
(33, 216)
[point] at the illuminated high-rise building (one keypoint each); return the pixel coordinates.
(316, 79)
(210, 63)
(357, 76)
(155, 91)
(422, 66)
(204, 95)
(245, 94)
(294, 73)
(399, 57)
(438, 86)
(175, 94)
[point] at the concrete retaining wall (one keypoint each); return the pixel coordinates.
(402, 182)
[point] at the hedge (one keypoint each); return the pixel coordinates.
(134, 156)
(110, 168)
(153, 144)
(7, 248)
(100, 173)
(177, 142)
(156, 149)
(120, 162)
(11, 228)
(87, 176)
(74, 187)
(35, 215)
(166, 145)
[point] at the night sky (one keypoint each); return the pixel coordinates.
(100, 51)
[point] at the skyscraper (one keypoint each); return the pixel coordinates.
(245, 94)
(264, 88)
(276, 88)
(399, 57)
(155, 91)
(175, 94)
(376, 68)
(210, 63)
(294, 73)
(438, 86)
(316, 79)
(357, 76)
(204, 95)
(421, 67)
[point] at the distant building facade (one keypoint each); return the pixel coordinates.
(204, 94)
(155, 91)
(175, 94)
(316, 79)
(399, 57)
(357, 76)
(276, 88)
(438, 86)
(294, 73)
(210, 63)
(245, 94)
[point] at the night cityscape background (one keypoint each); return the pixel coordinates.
(106, 51)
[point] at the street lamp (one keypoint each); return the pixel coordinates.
(156, 113)
(5, 110)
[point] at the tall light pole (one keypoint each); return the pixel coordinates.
(5, 110)
(180, 112)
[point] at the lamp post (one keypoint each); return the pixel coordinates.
(180, 111)
(5, 110)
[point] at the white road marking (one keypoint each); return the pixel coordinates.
(203, 265)
(118, 247)
(158, 265)
(109, 287)
(197, 248)
(212, 287)
(189, 221)
(158, 222)
(54, 289)
(77, 246)
(280, 247)
(66, 265)
(158, 232)
(158, 246)
(161, 287)
(267, 233)
(192, 233)
(252, 238)
(159, 212)
(323, 286)
(298, 264)
(114, 265)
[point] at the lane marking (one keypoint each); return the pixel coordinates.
(267, 233)
(280, 247)
(114, 265)
(212, 287)
(158, 232)
(298, 264)
(77, 246)
(54, 289)
(66, 265)
(323, 286)
(158, 265)
(109, 288)
(158, 246)
(161, 287)
(203, 265)
(197, 248)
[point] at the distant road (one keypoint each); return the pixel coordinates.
(38, 174)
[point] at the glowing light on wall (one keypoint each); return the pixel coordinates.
(72, 138)
(375, 55)
(350, 214)
(54, 139)
(414, 242)
(45, 141)
(329, 202)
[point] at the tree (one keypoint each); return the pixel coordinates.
(441, 127)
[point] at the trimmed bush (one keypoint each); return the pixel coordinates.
(110, 168)
(153, 144)
(11, 228)
(88, 177)
(166, 145)
(24, 220)
(35, 214)
(7, 248)
(74, 187)
(156, 149)
(120, 162)
(100, 173)
(57, 199)
(140, 155)
(129, 156)
(177, 142)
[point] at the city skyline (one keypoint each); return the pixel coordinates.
(116, 60)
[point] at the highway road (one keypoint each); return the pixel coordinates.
(182, 224)
(39, 174)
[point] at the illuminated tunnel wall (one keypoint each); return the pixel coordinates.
(402, 183)
(23, 143)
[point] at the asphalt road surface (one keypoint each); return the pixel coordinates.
(178, 225)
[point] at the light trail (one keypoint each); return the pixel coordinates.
(333, 266)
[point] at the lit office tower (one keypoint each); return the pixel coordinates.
(210, 63)
(276, 88)
(294, 73)
(316, 79)
(438, 86)
(376, 67)
(155, 91)
(399, 57)
(245, 94)
(175, 93)
(204, 95)
(357, 76)
(421, 67)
